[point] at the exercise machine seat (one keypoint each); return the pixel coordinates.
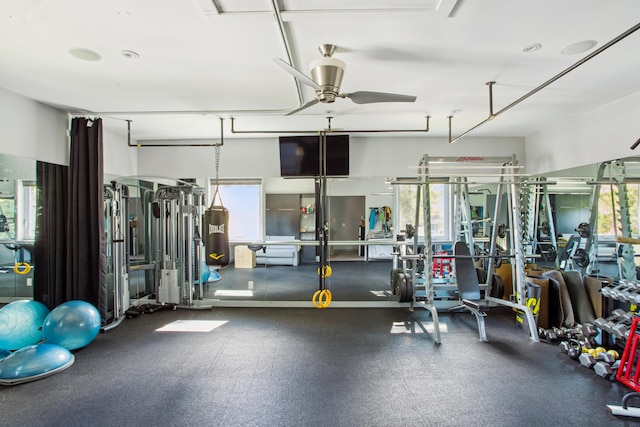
(468, 286)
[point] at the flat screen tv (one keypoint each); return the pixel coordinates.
(300, 156)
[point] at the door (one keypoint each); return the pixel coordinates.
(345, 215)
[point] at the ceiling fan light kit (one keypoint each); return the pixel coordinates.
(328, 73)
(326, 78)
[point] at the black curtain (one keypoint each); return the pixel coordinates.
(50, 254)
(85, 227)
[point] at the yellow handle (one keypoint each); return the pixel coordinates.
(17, 268)
(325, 271)
(322, 299)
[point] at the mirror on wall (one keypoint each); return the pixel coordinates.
(18, 209)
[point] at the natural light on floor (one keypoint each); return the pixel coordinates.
(415, 327)
(192, 326)
(233, 293)
(384, 294)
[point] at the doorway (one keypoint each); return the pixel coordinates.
(345, 218)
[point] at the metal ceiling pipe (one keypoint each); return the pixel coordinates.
(219, 144)
(545, 84)
(329, 130)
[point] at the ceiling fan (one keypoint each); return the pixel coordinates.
(326, 76)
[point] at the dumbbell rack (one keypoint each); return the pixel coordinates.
(629, 370)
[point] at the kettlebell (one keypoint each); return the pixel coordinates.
(575, 349)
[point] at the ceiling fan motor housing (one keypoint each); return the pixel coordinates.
(328, 73)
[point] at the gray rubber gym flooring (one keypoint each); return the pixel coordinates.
(314, 367)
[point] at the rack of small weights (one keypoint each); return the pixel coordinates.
(629, 371)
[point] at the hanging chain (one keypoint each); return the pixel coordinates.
(217, 165)
(216, 192)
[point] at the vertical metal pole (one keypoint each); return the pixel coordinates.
(589, 246)
(549, 217)
(324, 224)
(183, 267)
(426, 220)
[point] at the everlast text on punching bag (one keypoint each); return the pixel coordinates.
(216, 243)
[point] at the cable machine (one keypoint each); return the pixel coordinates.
(178, 211)
(116, 250)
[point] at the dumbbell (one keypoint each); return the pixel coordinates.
(547, 334)
(606, 370)
(607, 323)
(593, 356)
(620, 328)
(567, 333)
(612, 292)
(589, 330)
(628, 293)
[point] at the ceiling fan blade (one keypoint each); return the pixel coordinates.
(297, 74)
(307, 105)
(364, 97)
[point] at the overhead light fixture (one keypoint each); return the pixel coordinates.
(532, 48)
(85, 54)
(579, 47)
(130, 54)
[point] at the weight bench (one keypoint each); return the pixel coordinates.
(468, 287)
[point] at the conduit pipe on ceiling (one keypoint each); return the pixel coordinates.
(329, 129)
(219, 144)
(493, 115)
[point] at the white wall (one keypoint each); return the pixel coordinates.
(601, 135)
(118, 158)
(36, 131)
(32, 130)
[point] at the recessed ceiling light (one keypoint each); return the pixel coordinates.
(532, 48)
(579, 47)
(130, 54)
(85, 54)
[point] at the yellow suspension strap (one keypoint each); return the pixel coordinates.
(22, 268)
(322, 298)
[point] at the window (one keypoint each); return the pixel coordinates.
(606, 220)
(439, 206)
(242, 197)
(26, 208)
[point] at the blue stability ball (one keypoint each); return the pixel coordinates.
(73, 324)
(21, 324)
(34, 362)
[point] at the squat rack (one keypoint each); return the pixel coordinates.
(612, 173)
(452, 169)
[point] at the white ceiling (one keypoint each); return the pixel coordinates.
(204, 59)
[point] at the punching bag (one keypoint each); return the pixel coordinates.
(216, 242)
